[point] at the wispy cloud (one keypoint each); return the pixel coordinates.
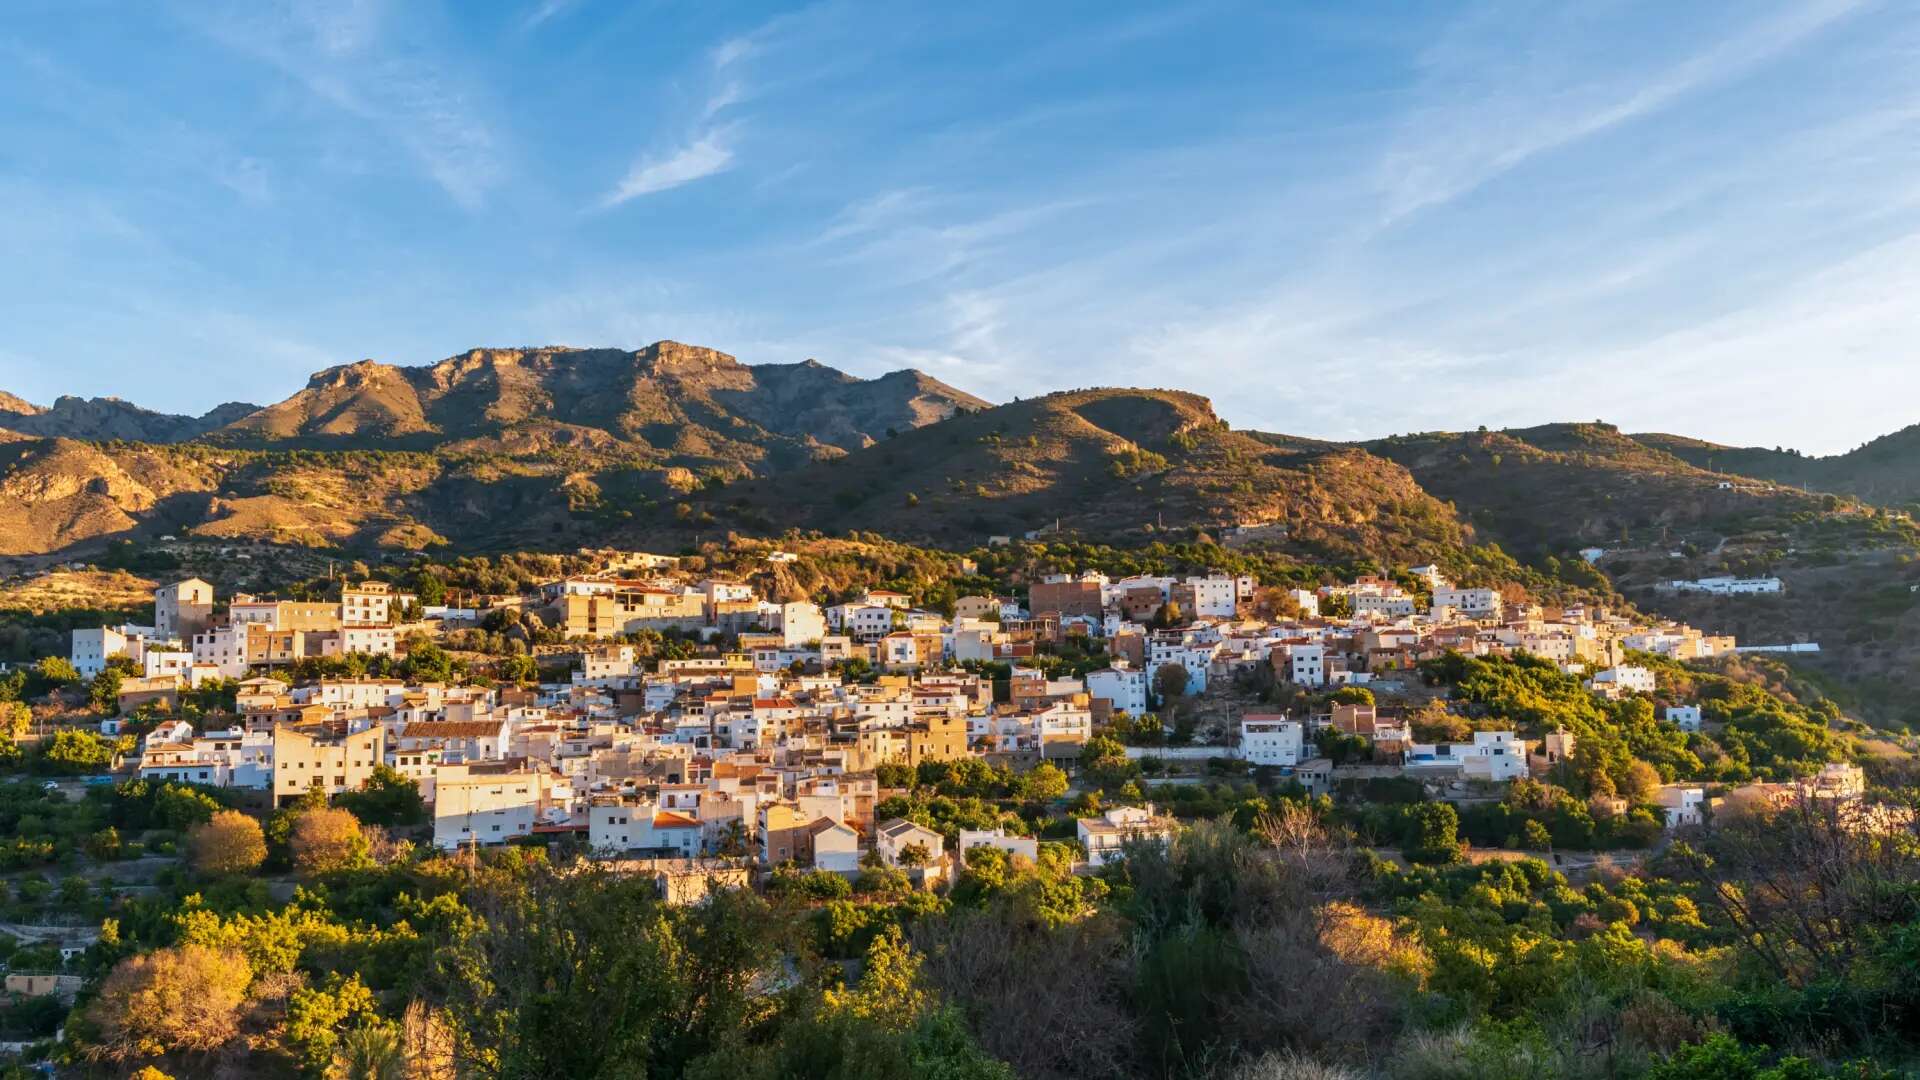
(708, 151)
(340, 54)
(1487, 112)
(545, 10)
(689, 163)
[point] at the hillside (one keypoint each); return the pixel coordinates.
(1559, 487)
(56, 491)
(1848, 568)
(1885, 470)
(490, 448)
(1116, 464)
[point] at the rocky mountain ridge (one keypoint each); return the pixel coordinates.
(104, 418)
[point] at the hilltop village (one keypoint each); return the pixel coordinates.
(365, 817)
(775, 733)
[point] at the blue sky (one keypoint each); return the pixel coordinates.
(1342, 220)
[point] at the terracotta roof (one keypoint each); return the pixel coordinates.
(450, 729)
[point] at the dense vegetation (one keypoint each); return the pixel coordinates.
(1752, 732)
(1255, 946)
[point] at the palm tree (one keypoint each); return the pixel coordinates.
(369, 1052)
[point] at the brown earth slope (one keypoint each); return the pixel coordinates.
(1112, 464)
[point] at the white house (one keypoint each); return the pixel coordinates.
(836, 846)
(1729, 586)
(1492, 755)
(224, 647)
(896, 836)
(486, 802)
(93, 646)
(1473, 603)
(642, 825)
(1271, 740)
(1626, 678)
(1025, 847)
(1683, 805)
(160, 662)
(1391, 604)
(801, 623)
(1685, 717)
(234, 758)
(1106, 836)
(1214, 596)
(1306, 662)
(1125, 687)
(1188, 652)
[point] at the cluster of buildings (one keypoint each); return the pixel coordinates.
(1275, 740)
(695, 760)
(1386, 629)
(191, 642)
(758, 750)
(1838, 788)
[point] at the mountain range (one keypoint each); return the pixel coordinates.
(667, 398)
(111, 418)
(672, 445)
(500, 447)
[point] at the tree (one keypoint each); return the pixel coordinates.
(569, 972)
(328, 840)
(16, 719)
(281, 822)
(430, 589)
(517, 669)
(1433, 833)
(1170, 614)
(230, 842)
(1535, 837)
(371, 1051)
(316, 1016)
(1641, 783)
(104, 692)
(1170, 681)
(734, 841)
(1352, 695)
(914, 855)
(1104, 761)
(57, 671)
(386, 798)
(889, 1024)
(185, 998)
(76, 751)
(1044, 782)
(104, 844)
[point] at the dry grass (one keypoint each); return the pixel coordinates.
(109, 590)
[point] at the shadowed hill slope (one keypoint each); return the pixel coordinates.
(1885, 470)
(1109, 463)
